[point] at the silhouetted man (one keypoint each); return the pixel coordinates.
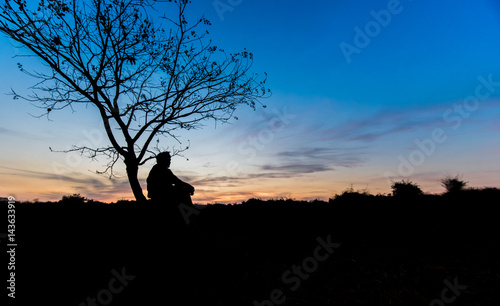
(164, 187)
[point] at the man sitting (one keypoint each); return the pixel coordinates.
(164, 187)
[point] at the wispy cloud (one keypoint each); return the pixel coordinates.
(296, 168)
(235, 181)
(18, 134)
(70, 177)
(387, 123)
(287, 164)
(326, 157)
(226, 197)
(381, 125)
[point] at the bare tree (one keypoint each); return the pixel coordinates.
(147, 79)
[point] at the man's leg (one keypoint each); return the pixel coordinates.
(186, 198)
(182, 196)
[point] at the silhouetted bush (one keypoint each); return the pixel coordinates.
(254, 202)
(76, 199)
(453, 184)
(351, 195)
(405, 189)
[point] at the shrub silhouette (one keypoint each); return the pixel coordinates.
(405, 189)
(73, 199)
(453, 184)
(350, 194)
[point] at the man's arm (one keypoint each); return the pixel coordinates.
(178, 182)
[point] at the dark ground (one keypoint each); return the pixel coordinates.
(392, 252)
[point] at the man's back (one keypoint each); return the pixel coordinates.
(160, 182)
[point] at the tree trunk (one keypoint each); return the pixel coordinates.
(132, 172)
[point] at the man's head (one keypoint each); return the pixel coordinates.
(163, 158)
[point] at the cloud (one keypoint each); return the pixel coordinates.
(387, 123)
(227, 197)
(79, 181)
(47, 185)
(286, 164)
(113, 191)
(323, 158)
(237, 180)
(18, 134)
(383, 124)
(295, 168)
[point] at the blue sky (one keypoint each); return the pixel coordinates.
(419, 99)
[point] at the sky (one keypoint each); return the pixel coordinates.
(363, 93)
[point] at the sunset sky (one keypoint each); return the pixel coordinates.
(364, 92)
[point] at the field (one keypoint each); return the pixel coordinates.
(356, 249)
